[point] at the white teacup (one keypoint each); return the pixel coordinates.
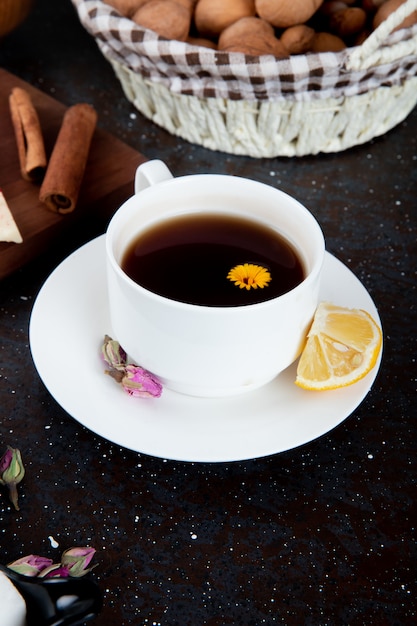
(211, 351)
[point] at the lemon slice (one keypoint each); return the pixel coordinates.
(342, 347)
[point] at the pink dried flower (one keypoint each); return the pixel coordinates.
(77, 560)
(135, 380)
(113, 354)
(140, 383)
(31, 565)
(11, 473)
(56, 570)
(74, 563)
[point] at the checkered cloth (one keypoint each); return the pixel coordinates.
(206, 73)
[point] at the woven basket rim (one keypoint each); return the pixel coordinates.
(206, 73)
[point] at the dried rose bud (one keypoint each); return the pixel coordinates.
(56, 570)
(135, 380)
(140, 383)
(12, 472)
(31, 565)
(77, 560)
(113, 354)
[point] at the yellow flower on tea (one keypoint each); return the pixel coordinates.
(249, 276)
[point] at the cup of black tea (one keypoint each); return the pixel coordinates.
(213, 280)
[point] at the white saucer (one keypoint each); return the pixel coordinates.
(68, 323)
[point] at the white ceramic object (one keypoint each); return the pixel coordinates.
(13, 606)
(70, 317)
(203, 350)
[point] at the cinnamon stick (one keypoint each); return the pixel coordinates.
(62, 182)
(29, 139)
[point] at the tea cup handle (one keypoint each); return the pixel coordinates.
(151, 173)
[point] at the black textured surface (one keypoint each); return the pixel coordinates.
(320, 535)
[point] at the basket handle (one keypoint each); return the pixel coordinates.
(371, 52)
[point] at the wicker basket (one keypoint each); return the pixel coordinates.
(262, 107)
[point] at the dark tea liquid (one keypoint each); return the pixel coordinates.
(188, 258)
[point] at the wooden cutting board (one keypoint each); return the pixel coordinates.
(107, 182)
